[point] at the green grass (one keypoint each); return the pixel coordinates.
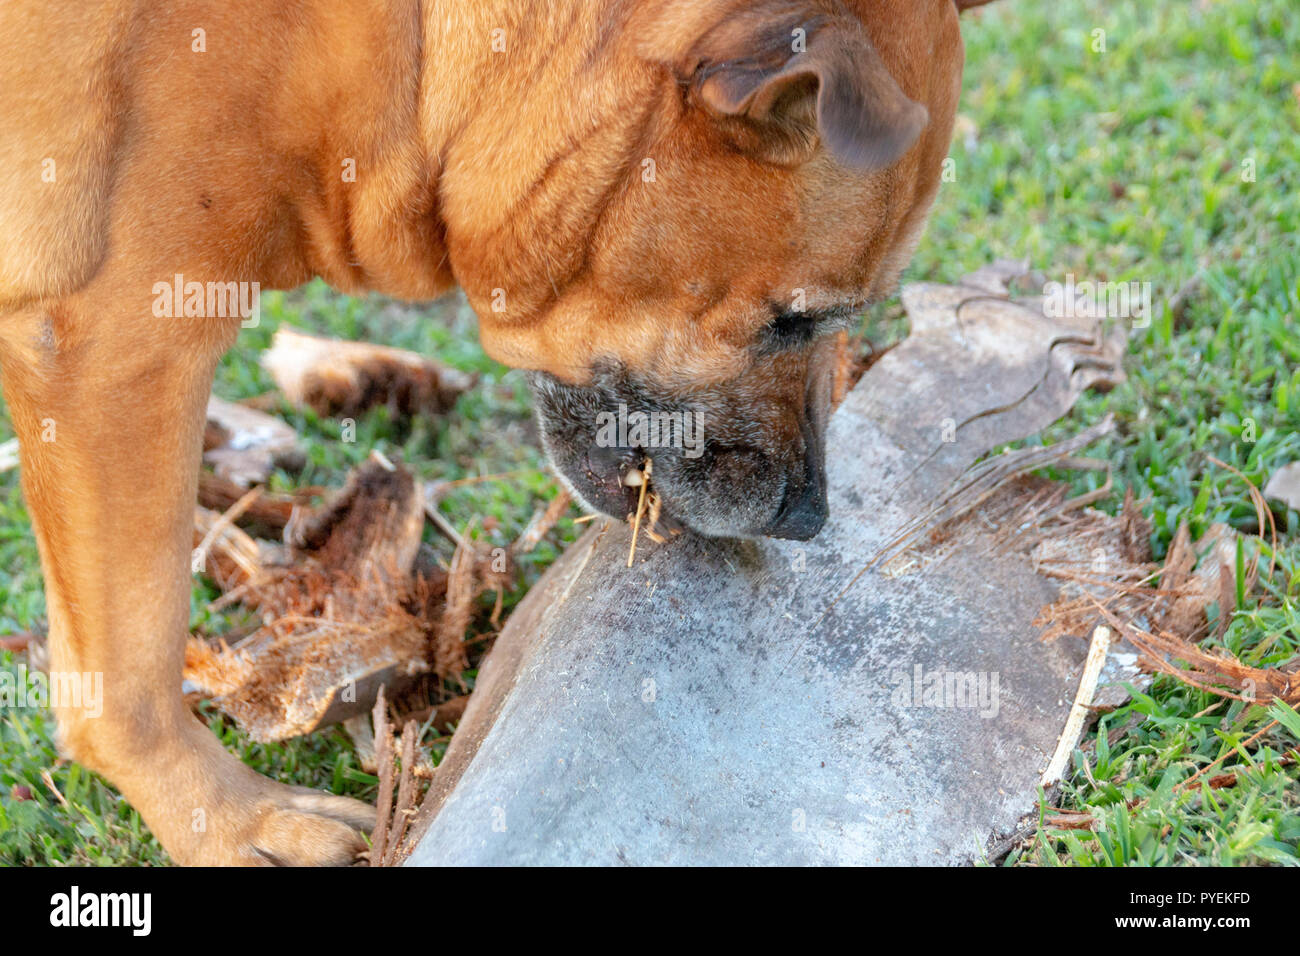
(1127, 165)
(491, 431)
(1115, 166)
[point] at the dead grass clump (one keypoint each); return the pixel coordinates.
(342, 608)
(336, 377)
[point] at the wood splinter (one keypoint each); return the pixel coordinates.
(643, 480)
(1082, 701)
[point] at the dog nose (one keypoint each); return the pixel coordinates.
(804, 509)
(802, 514)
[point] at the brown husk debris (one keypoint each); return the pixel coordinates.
(349, 602)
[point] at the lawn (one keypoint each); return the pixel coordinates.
(1164, 150)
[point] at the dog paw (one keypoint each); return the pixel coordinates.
(208, 808)
(313, 829)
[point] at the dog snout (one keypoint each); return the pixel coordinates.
(743, 464)
(609, 466)
(605, 481)
(804, 508)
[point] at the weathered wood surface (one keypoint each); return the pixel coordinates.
(729, 702)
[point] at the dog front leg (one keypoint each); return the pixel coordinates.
(109, 414)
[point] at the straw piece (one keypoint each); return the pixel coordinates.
(640, 510)
(1082, 701)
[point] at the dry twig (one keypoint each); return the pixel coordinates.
(1080, 710)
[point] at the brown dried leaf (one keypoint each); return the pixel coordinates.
(337, 377)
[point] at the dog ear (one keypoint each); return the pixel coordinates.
(963, 5)
(780, 76)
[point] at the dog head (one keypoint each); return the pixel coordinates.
(749, 177)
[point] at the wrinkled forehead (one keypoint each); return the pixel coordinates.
(711, 223)
(731, 244)
(679, 287)
(716, 225)
(703, 243)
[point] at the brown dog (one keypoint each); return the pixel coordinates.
(660, 203)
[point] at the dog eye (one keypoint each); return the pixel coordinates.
(794, 328)
(790, 329)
